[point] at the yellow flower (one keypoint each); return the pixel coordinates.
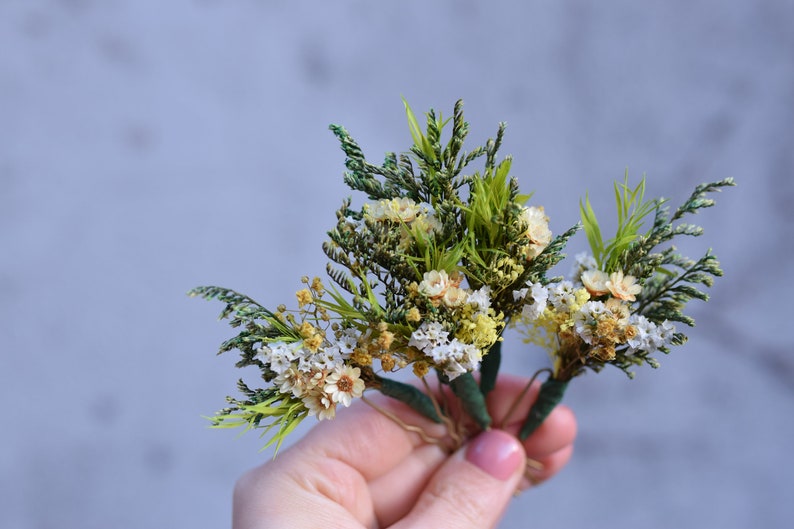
(413, 315)
(304, 297)
(307, 330)
(313, 343)
(317, 286)
(385, 340)
(361, 357)
(421, 368)
(387, 362)
(482, 330)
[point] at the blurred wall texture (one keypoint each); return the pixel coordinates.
(147, 147)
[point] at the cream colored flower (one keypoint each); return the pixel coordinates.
(537, 225)
(434, 284)
(595, 281)
(623, 287)
(537, 230)
(343, 384)
(455, 297)
(427, 224)
(396, 209)
(319, 404)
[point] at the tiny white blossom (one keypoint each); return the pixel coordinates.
(540, 296)
(347, 342)
(586, 318)
(562, 295)
(427, 335)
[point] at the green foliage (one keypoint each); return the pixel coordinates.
(670, 280)
(631, 212)
(276, 413)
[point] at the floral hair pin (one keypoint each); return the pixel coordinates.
(428, 272)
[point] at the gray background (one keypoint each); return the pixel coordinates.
(147, 147)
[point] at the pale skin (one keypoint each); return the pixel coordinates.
(364, 470)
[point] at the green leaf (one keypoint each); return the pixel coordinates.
(551, 394)
(472, 399)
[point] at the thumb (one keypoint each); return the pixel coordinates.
(473, 487)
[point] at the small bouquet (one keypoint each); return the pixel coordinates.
(428, 272)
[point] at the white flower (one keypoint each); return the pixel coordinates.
(326, 360)
(666, 332)
(562, 295)
(427, 335)
(540, 295)
(649, 336)
(595, 281)
(481, 298)
(586, 319)
(344, 384)
(291, 381)
(621, 287)
(455, 357)
(347, 342)
(427, 223)
(278, 355)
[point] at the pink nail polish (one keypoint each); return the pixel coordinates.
(496, 452)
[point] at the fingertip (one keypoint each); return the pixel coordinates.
(496, 452)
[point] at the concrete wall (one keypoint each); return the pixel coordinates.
(147, 147)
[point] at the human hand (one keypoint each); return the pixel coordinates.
(363, 470)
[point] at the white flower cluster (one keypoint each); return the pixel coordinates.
(650, 336)
(319, 378)
(585, 315)
(453, 356)
(534, 309)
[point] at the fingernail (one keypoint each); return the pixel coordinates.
(496, 452)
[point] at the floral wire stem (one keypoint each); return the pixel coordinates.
(452, 427)
(520, 397)
(408, 427)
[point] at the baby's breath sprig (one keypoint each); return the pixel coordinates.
(431, 268)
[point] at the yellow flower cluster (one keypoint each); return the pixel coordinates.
(481, 329)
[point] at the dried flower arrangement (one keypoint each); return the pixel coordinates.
(431, 269)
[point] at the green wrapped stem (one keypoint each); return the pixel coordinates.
(490, 368)
(410, 395)
(472, 399)
(551, 393)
